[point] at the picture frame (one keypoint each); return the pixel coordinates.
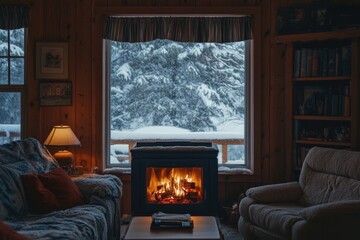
(52, 60)
(55, 93)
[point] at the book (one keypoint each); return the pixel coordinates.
(171, 224)
(346, 60)
(325, 62)
(309, 63)
(162, 220)
(332, 62)
(303, 62)
(315, 62)
(297, 61)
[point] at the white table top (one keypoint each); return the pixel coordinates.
(205, 227)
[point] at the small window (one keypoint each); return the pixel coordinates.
(12, 65)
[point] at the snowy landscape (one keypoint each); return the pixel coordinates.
(169, 90)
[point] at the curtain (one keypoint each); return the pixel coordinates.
(181, 29)
(13, 16)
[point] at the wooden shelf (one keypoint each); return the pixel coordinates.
(322, 118)
(323, 143)
(318, 36)
(337, 78)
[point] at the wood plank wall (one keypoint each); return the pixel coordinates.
(73, 21)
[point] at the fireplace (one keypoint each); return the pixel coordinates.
(174, 177)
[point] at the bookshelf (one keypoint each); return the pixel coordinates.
(322, 88)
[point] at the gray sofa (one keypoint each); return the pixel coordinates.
(324, 204)
(97, 218)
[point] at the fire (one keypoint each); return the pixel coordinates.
(174, 185)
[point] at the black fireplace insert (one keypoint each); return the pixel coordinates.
(174, 177)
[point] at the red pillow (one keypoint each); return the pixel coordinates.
(7, 233)
(40, 199)
(51, 191)
(64, 188)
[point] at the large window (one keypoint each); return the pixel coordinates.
(13, 24)
(12, 65)
(169, 90)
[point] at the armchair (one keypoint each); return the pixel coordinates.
(323, 204)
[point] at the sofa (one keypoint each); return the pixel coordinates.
(323, 204)
(94, 214)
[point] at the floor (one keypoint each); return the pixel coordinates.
(229, 230)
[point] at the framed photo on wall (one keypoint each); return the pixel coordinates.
(55, 93)
(52, 60)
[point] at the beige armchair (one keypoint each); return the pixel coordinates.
(324, 204)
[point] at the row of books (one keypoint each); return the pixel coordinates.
(323, 101)
(322, 61)
(323, 133)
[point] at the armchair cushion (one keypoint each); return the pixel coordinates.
(331, 210)
(275, 217)
(282, 192)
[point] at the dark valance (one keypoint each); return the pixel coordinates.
(181, 29)
(13, 16)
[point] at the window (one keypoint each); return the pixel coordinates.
(165, 90)
(12, 70)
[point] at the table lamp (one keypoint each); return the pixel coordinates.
(61, 136)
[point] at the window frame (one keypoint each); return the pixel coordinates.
(100, 129)
(18, 88)
(248, 90)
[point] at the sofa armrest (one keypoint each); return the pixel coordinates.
(281, 192)
(331, 210)
(102, 186)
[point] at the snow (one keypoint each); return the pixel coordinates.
(125, 71)
(15, 128)
(168, 132)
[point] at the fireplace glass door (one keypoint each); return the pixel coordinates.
(176, 185)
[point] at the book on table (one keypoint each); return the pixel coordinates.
(171, 221)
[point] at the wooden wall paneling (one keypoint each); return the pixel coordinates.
(163, 2)
(289, 113)
(97, 127)
(265, 88)
(51, 116)
(102, 3)
(82, 86)
(277, 102)
(146, 3)
(221, 2)
(202, 2)
(35, 31)
(123, 2)
(272, 131)
(181, 3)
(277, 114)
(67, 32)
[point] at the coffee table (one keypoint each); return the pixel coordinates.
(205, 227)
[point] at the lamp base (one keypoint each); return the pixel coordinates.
(64, 158)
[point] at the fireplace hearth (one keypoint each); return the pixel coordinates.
(174, 177)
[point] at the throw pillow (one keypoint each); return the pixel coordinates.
(64, 188)
(39, 198)
(7, 233)
(51, 191)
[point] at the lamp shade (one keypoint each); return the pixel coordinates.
(62, 136)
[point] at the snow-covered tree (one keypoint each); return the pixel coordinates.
(196, 86)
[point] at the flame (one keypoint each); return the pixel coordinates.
(174, 185)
